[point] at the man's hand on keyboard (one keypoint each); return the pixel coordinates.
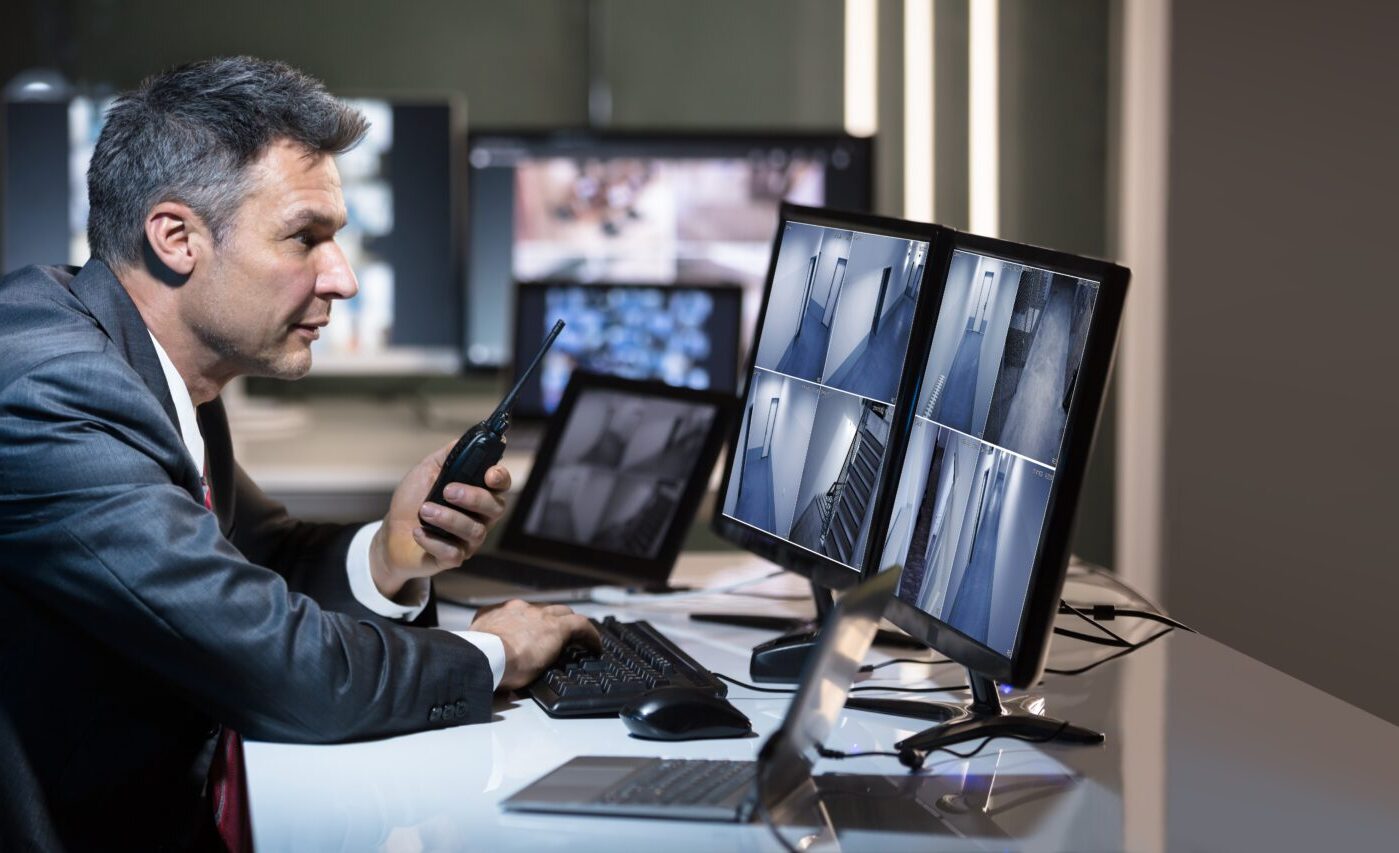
(533, 636)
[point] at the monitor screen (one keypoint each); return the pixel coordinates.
(623, 463)
(399, 238)
(637, 208)
(47, 147)
(683, 336)
(983, 453)
(399, 241)
(821, 403)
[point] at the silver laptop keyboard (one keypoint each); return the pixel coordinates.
(688, 781)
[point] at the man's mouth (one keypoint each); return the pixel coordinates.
(313, 328)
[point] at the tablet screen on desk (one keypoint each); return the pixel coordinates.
(619, 474)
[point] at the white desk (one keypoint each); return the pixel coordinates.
(1206, 750)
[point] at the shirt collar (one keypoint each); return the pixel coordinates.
(184, 406)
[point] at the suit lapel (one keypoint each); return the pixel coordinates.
(111, 306)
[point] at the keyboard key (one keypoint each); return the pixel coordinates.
(635, 658)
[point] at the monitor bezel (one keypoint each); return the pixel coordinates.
(582, 136)
(821, 570)
(644, 570)
(1025, 664)
(520, 358)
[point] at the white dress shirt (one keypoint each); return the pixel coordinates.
(357, 559)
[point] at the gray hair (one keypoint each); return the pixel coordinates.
(189, 135)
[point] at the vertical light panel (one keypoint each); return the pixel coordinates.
(861, 69)
(1143, 139)
(1145, 146)
(919, 115)
(983, 109)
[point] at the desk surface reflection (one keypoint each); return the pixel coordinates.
(1206, 749)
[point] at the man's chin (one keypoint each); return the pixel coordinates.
(297, 366)
(290, 366)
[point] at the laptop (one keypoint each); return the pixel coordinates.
(614, 487)
(729, 791)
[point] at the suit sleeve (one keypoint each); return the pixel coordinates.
(310, 556)
(94, 526)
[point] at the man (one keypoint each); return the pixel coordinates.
(156, 605)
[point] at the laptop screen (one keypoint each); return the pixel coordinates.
(845, 639)
(619, 475)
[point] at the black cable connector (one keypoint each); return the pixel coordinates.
(1109, 612)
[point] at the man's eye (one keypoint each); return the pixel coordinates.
(305, 238)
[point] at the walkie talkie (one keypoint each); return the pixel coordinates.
(481, 446)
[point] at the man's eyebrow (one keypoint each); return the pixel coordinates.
(306, 217)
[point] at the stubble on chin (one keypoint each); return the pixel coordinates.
(291, 363)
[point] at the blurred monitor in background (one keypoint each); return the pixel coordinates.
(400, 238)
(686, 336)
(47, 145)
(637, 207)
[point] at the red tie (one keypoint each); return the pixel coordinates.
(226, 782)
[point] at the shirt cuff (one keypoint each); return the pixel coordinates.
(415, 592)
(494, 650)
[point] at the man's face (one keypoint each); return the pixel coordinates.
(267, 290)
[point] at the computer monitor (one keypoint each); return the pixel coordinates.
(828, 390)
(637, 207)
(1012, 385)
(686, 336)
(960, 463)
(400, 239)
(47, 145)
(402, 243)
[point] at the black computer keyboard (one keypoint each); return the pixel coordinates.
(635, 659)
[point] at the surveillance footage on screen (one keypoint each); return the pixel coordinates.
(820, 407)
(971, 502)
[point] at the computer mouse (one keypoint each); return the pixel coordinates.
(683, 713)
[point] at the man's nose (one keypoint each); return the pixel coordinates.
(334, 278)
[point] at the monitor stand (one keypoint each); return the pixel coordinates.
(781, 659)
(984, 717)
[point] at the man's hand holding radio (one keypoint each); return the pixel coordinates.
(403, 550)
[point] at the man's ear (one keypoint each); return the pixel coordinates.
(176, 236)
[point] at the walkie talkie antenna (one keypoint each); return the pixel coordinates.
(501, 416)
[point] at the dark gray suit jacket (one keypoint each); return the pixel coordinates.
(133, 622)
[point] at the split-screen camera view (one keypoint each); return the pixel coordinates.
(619, 472)
(971, 501)
(820, 402)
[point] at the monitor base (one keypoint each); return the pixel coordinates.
(782, 659)
(984, 717)
(788, 625)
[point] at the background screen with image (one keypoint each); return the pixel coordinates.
(687, 337)
(820, 402)
(971, 500)
(662, 209)
(618, 474)
(47, 146)
(398, 239)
